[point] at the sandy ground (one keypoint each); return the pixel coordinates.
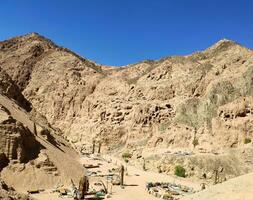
(240, 188)
(140, 178)
(135, 181)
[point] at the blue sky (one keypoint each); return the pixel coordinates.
(119, 32)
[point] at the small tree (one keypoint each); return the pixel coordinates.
(126, 156)
(179, 171)
(247, 140)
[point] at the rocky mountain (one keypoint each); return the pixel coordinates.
(200, 102)
(29, 147)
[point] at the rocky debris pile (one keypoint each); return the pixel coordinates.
(168, 191)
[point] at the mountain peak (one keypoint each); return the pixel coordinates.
(225, 41)
(33, 34)
(221, 45)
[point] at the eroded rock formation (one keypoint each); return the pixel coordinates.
(200, 101)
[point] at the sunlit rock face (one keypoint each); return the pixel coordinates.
(199, 101)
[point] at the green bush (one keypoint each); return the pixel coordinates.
(179, 171)
(247, 140)
(126, 155)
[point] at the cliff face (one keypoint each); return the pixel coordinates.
(17, 142)
(29, 146)
(165, 103)
(11, 90)
(201, 101)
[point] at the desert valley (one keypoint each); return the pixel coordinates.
(181, 127)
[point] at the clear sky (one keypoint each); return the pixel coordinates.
(119, 32)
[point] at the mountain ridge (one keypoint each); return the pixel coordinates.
(38, 35)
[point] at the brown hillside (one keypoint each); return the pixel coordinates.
(145, 107)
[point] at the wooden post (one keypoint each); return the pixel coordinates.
(144, 164)
(216, 176)
(93, 146)
(99, 147)
(83, 186)
(35, 128)
(194, 142)
(122, 175)
(107, 185)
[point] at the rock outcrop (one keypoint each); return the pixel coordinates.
(8, 193)
(29, 146)
(11, 90)
(16, 141)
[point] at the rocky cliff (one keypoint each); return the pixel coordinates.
(29, 147)
(200, 101)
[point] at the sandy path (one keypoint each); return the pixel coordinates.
(136, 192)
(136, 177)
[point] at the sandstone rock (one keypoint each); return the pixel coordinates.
(11, 90)
(15, 140)
(23, 137)
(7, 192)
